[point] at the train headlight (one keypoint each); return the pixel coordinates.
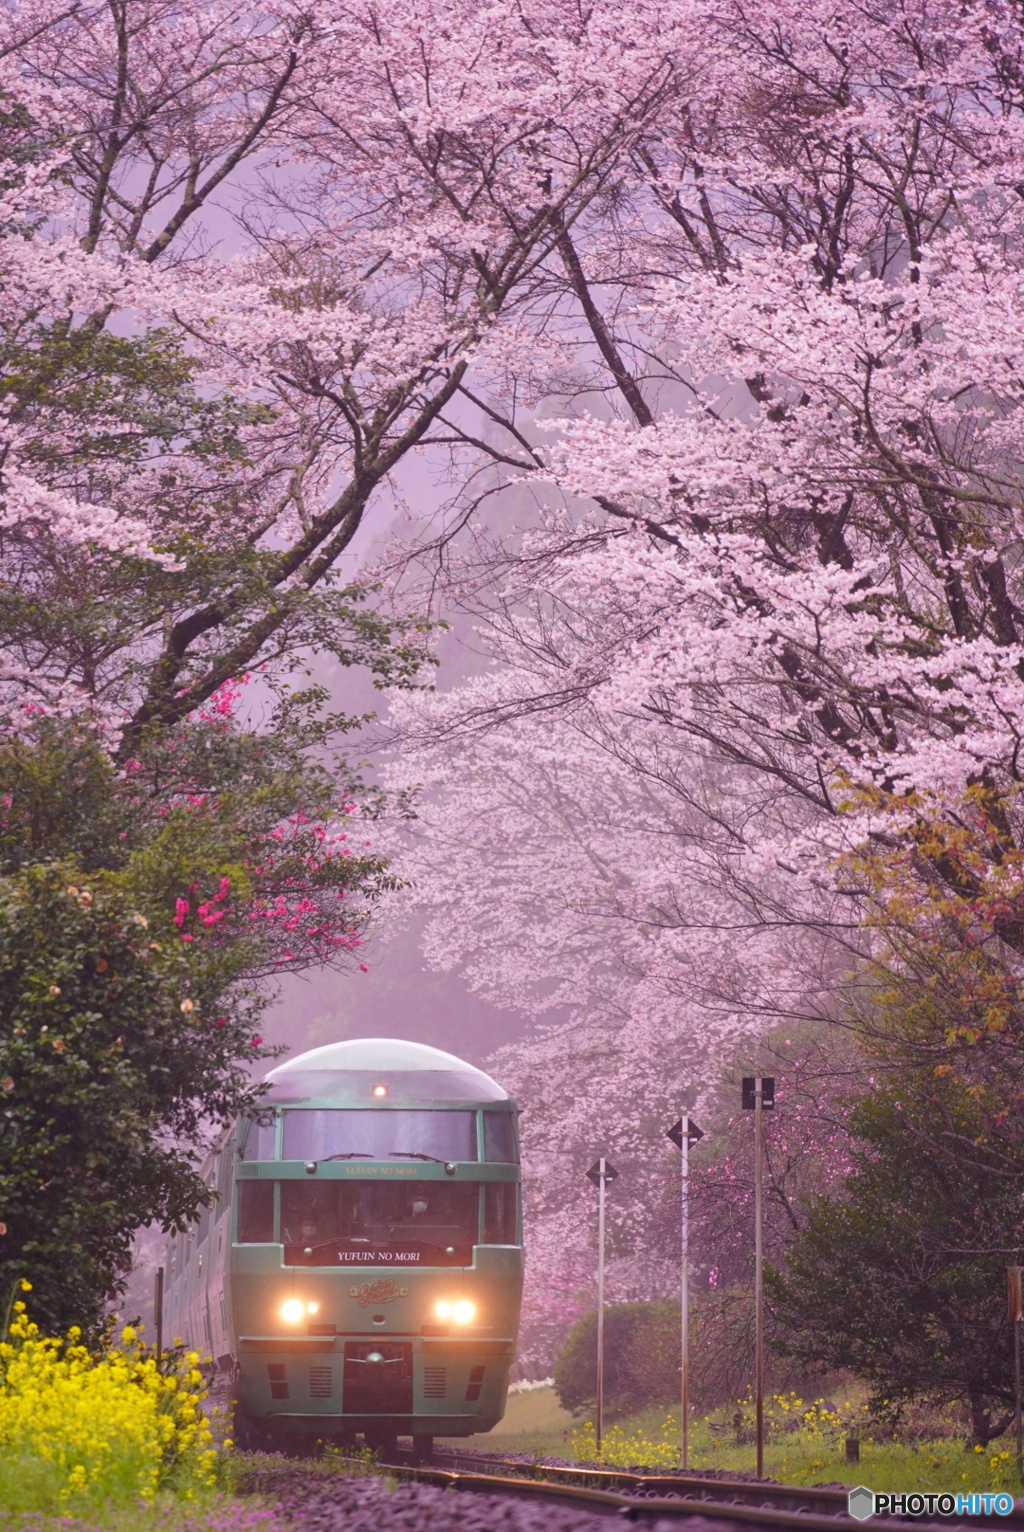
(294, 1309)
(461, 1311)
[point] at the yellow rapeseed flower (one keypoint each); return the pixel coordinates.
(107, 1428)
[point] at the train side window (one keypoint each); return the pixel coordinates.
(500, 1138)
(225, 1172)
(255, 1212)
(260, 1141)
(500, 1213)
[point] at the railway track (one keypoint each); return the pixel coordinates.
(580, 1505)
(644, 1506)
(759, 1493)
(579, 1500)
(651, 1497)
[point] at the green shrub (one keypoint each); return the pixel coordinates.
(641, 1365)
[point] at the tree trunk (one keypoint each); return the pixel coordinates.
(983, 1428)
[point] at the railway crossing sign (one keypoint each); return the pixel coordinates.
(750, 1084)
(693, 1133)
(601, 1170)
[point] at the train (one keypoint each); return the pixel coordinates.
(359, 1271)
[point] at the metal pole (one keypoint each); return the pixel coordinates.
(1016, 1393)
(158, 1313)
(684, 1298)
(600, 1301)
(758, 1275)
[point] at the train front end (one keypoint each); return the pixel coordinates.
(374, 1276)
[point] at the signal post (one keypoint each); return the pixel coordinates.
(758, 1097)
(684, 1133)
(600, 1173)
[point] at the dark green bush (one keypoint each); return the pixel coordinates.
(641, 1365)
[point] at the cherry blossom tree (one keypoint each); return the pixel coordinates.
(735, 290)
(773, 603)
(393, 181)
(563, 880)
(806, 575)
(249, 260)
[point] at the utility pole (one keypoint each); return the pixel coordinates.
(158, 1313)
(758, 1097)
(1015, 1305)
(684, 1133)
(600, 1173)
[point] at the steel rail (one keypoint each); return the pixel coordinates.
(608, 1502)
(645, 1505)
(826, 1502)
(741, 1503)
(751, 1500)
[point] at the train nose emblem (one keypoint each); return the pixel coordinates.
(383, 1290)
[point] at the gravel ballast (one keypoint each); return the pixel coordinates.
(346, 1503)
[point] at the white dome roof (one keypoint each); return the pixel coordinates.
(340, 1069)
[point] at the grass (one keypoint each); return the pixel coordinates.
(211, 1513)
(801, 1450)
(534, 1423)
(806, 1445)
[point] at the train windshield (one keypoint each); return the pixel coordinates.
(425, 1222)
(379, 1135)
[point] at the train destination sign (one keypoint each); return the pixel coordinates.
(331, 1253)
(379, 1172)
(364, 1257)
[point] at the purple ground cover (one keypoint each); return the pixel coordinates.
(343, 1503)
